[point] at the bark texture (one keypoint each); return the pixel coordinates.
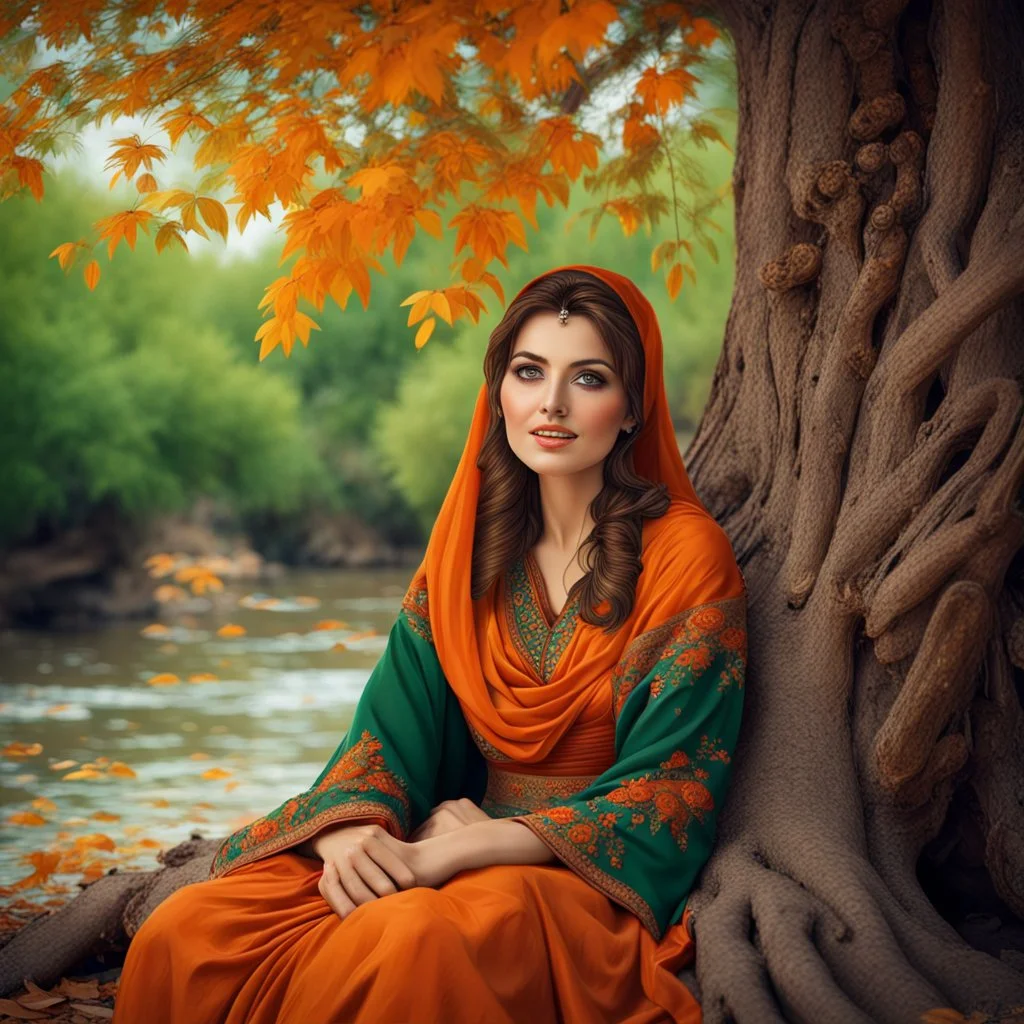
(863, 447)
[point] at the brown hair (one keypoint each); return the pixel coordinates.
(508, 514)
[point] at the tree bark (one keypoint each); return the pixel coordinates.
(863, 448)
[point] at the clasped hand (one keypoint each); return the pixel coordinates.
(365, 862)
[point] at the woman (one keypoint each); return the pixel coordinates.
(527, 793)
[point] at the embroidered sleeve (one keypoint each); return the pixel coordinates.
(642, 831)
(408, 748)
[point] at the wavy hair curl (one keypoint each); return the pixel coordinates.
(508, 517)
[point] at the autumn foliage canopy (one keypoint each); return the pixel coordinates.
(368, 123)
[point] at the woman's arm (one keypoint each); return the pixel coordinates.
(408, 747)
(498, 841)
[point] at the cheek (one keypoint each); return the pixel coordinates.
(605, 416)
(515, 403)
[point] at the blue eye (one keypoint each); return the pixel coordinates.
(596, 379)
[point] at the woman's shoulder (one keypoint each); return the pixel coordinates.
(688, 550)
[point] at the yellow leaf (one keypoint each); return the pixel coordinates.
(430, 221)
(83, 773)
(120, 769)
(146, 183)
(425, 331)
(26, 818)
(415, 297)
(231, 629)
(65, 254)
(41, 803)
(163, 679)
(202, 677)
(17, 749)
(215, 773)
(92, 274)
(95, 841)
(105, 816)
(45, 864)
(199, 756)
(328, 624)
(170, 234)
(440, 305)
(62, 766)
(215, 215)
(675, 280)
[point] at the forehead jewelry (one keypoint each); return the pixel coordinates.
(563, 316)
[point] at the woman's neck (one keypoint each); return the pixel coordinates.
(565, 508)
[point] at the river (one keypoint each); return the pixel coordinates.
(206, 755)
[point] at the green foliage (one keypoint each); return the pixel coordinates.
(119, 395)
(421, 434)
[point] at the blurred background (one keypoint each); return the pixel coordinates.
(138, 700)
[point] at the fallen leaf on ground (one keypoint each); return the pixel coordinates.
(79, 989)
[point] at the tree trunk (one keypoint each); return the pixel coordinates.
(863, 448)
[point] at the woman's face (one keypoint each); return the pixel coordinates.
(562, 375)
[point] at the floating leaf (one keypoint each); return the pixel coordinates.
(18, 749)
(83, 773)
(26, 818)
(216, 773)
(121, 770)
(231, 629)
(163, 679)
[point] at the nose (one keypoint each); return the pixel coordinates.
(553, 403)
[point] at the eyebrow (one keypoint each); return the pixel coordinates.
(579, 362)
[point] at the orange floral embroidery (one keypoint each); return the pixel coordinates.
(683, 649)
(360, 769)
(706, 620)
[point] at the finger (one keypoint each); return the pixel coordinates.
(370, 871)
(395, 864)
(333, 893)
(351, 879)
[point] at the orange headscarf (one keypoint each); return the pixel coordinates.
(687, 561)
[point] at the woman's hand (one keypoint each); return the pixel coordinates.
(365, 862)
(447, 817)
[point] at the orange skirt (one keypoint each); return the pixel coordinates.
(508, 943)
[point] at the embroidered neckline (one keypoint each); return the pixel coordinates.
(541, 593)
(539, 635)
